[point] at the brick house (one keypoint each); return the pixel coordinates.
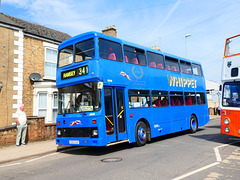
(27, 48)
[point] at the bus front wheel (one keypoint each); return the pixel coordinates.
(141, 134)
(193, 124)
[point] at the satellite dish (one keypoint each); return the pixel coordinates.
(35, 77)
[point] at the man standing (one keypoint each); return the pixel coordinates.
(21, 121)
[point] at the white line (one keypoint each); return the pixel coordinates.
(218, 157)
(217, 154)
(41, 157)
(10, 165)
(196, 171)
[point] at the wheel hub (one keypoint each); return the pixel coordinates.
(142, 134)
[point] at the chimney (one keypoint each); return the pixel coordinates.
(110, 30)
(155, 47)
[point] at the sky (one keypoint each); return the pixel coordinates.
(146, 22)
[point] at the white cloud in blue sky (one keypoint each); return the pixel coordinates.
(145, 22)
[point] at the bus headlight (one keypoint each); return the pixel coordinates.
(226, 121)
(95, 133)
(227, 129)
(59, 132)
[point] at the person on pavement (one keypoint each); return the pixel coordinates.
(21, 121)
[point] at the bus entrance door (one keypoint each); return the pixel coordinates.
(115, 114)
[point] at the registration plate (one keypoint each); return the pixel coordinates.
(73, 142)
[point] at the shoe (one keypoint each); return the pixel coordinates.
(24, 144)
(17, 145)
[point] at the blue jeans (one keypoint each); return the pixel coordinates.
(21, 134)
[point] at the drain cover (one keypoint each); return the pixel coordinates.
(112, 159)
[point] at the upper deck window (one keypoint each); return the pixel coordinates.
(186, 67)
(84, 50)
(110, 50)
(134, 55)
(197, 70)
(155, 60)
(232, 46)
(172, 64)
(65, 56)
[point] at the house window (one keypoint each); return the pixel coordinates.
(50, 63)
(42, 105)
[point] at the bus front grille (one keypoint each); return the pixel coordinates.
(76, 132)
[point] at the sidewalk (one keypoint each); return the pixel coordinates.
(12, 153)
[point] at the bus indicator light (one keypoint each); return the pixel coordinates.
(94, 121)
(223, 113)
(131, 115)
(58, 123)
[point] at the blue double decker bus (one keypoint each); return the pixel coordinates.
(113, 91)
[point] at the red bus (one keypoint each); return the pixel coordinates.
(230, 105)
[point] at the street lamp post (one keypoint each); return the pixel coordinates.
(186, 36)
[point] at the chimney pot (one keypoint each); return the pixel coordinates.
(110, 30)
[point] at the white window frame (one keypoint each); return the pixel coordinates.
(38, 97)
(44, 87)
(51, 47)
(53, 107)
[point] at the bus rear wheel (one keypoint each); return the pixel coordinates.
(141, 134)
(193, 124)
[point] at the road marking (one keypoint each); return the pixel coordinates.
(218, 157)
(14, 164)
(196, 171)
(35, 159)
(217, 154)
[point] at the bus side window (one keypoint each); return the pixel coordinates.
(139, 98)
(110, 50)
(160, 98)
(155, 60)
(134, 55)
(197, 70)
(190, 98)
(186, 67)
(176, 98)
(200, 98)
(172, 64)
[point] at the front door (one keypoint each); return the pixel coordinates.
(115, 114)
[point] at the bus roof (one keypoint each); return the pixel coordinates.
(92, 34)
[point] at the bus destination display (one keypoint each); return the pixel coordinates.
(74, 72)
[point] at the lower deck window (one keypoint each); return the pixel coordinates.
(139, 98)
(160, 98)
(190, 98)
(176, 98)
(201, 98)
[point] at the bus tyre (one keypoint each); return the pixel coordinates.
(141, 134)
(193, 124)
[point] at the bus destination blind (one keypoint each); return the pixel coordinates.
(80, 71)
